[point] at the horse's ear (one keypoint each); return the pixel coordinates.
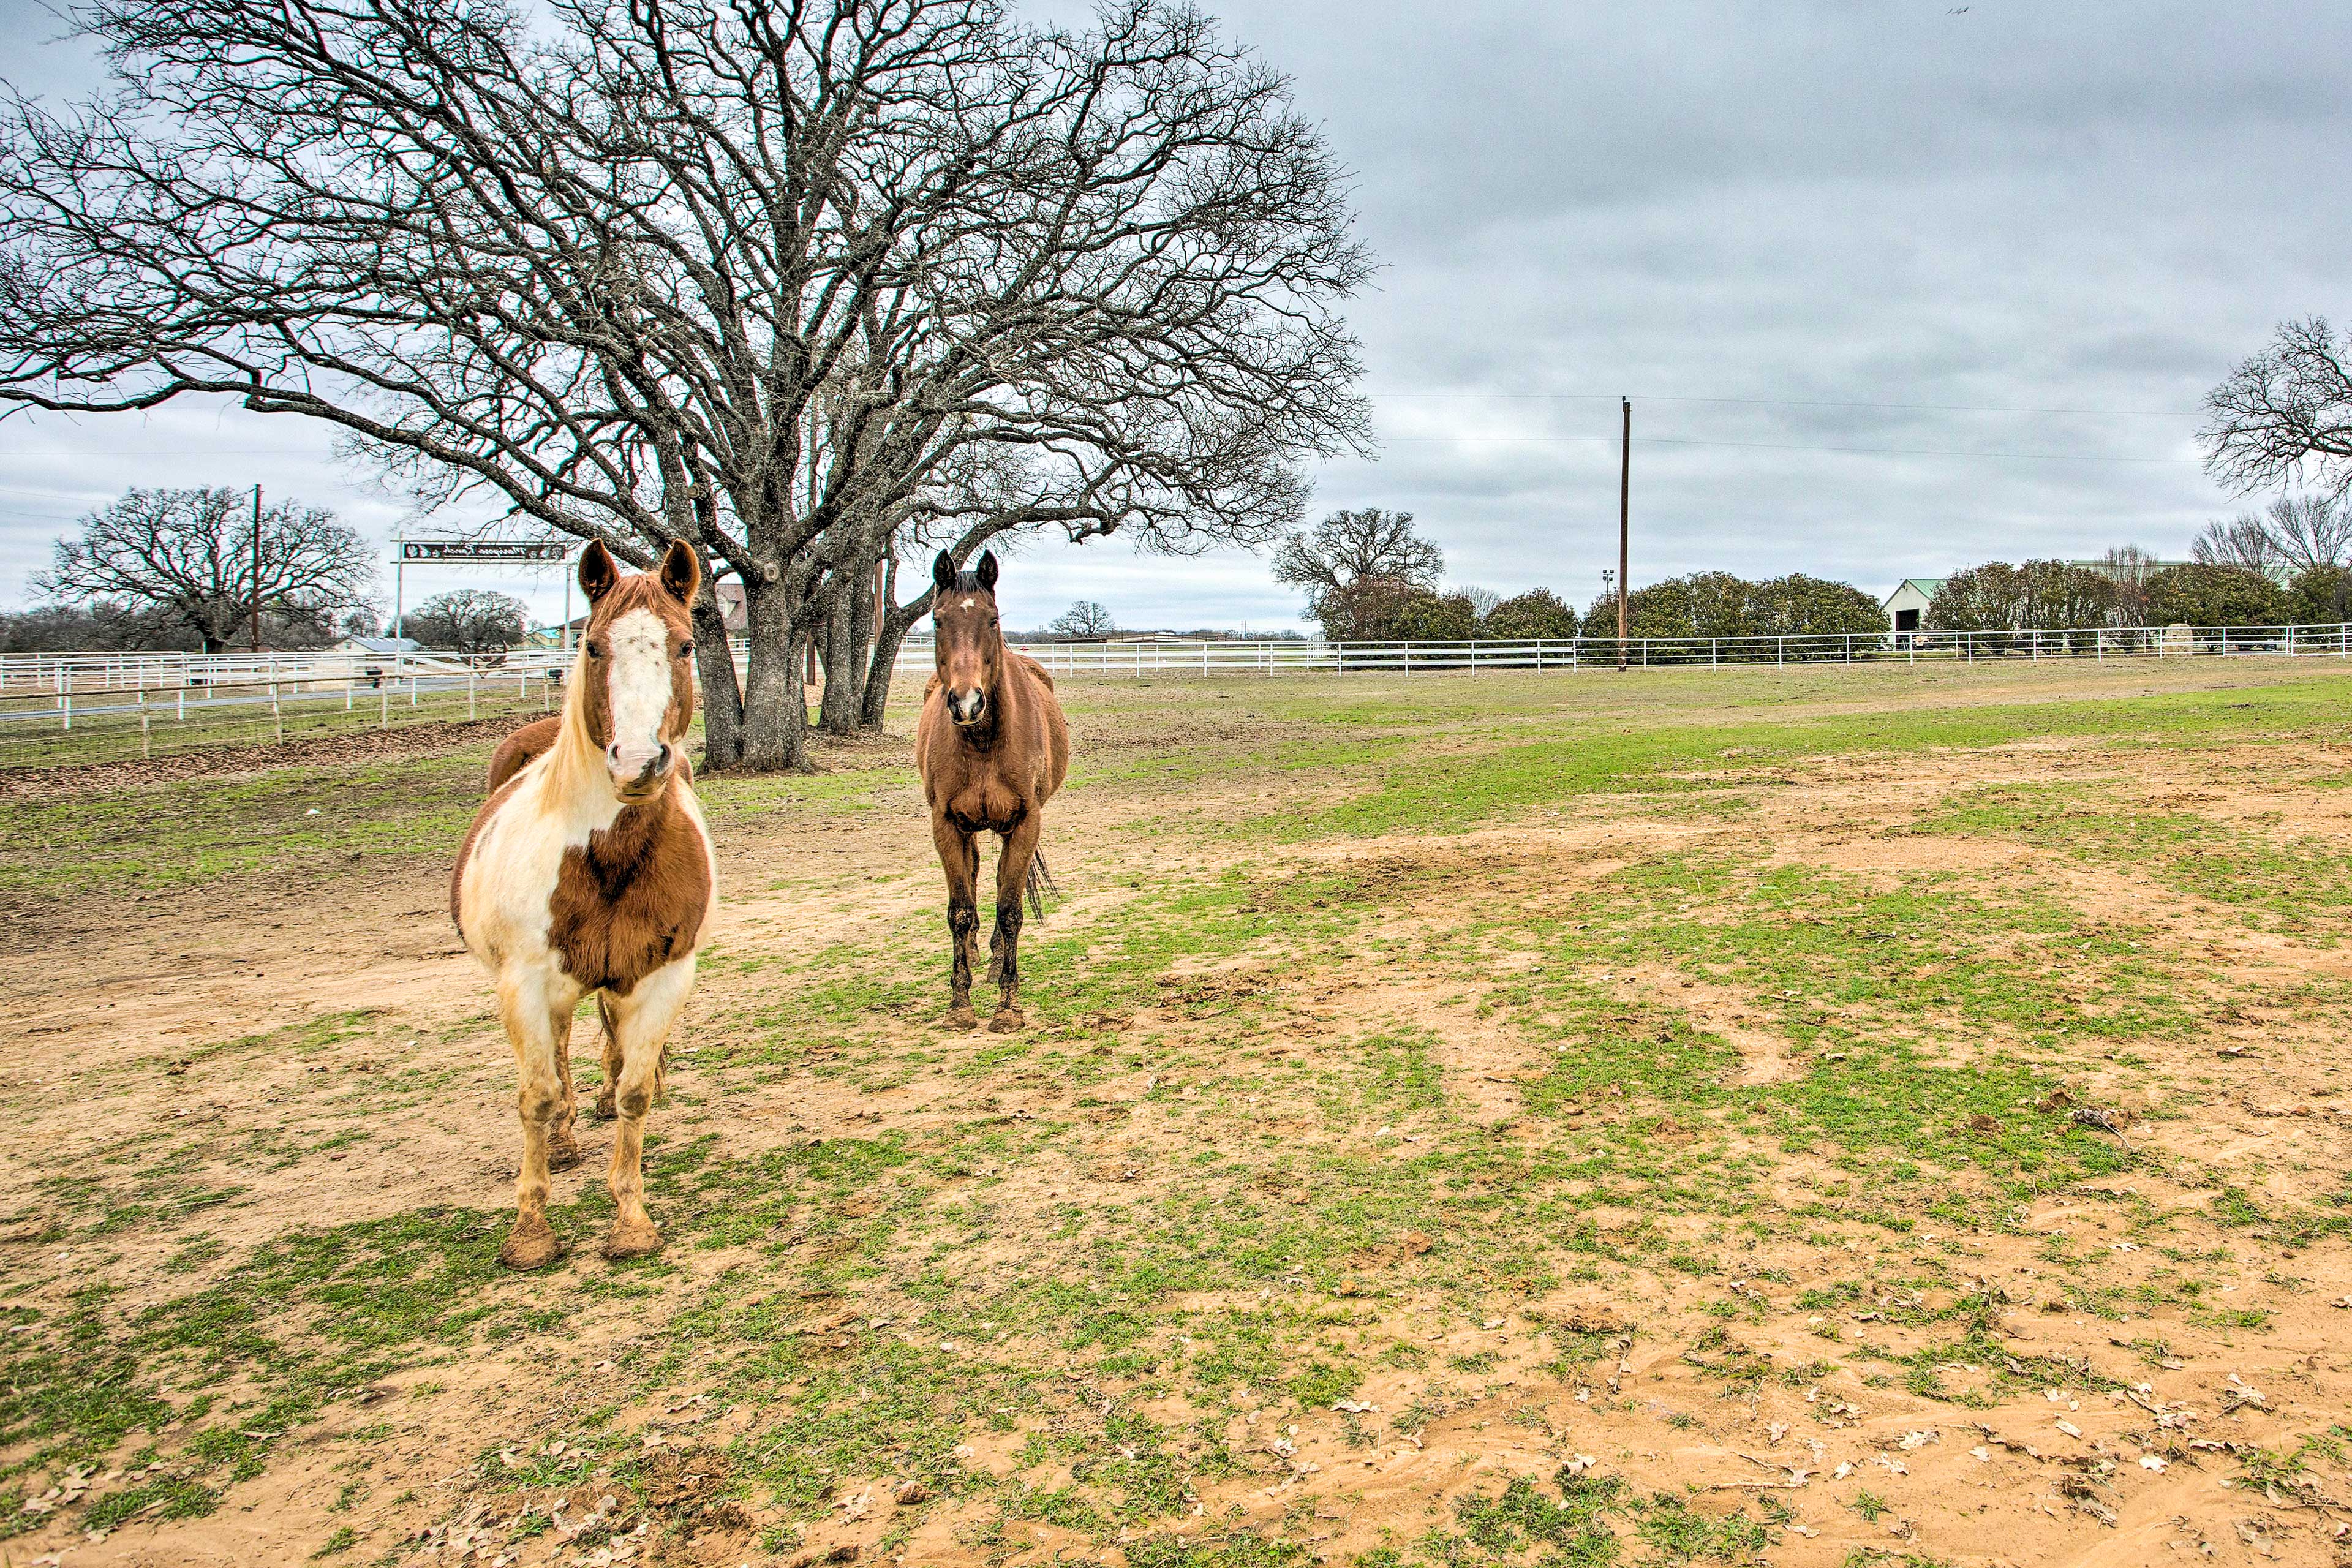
(944, 572)
(597, 573)
(681, 574)
(987, 571)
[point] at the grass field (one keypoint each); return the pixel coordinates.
(1819, 1117)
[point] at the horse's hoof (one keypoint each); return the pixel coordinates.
(632, 1241)
(962, 1019)
(530, 1244)
(563, 1155)
(605, 1110)
(1007, 1020)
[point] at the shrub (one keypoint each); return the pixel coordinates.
(2321, 595)
(1718, 605)
(1798, 606)
(2214, 596)
(1997, 597)
(1539, 612)
(1434, 618)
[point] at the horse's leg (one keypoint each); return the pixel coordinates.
(611, 1059)
(528, 1002)
(1011, 883)
(960, 856)
(563, 1148)
(642, 1021)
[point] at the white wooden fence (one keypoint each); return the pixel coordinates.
(241, 697)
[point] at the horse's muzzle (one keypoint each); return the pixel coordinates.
(967, 707)
(640, 773)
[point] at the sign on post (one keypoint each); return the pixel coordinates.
(480, 552)
(531, 550)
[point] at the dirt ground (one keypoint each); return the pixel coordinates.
(1722, 1302)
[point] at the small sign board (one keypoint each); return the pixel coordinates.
(509, 550)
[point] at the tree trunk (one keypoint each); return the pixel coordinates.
(776, 701)
(722, 699)
(895, 627)
(838, 647)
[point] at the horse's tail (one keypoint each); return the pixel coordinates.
(1041, 882)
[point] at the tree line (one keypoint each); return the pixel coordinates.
(1999, 596)
(1369, 577)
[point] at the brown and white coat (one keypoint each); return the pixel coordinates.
(589, 871)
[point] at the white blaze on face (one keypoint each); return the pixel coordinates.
(636, 653)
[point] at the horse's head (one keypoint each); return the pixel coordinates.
(966, 640)
(636, 666)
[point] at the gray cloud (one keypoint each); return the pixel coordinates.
(2043, 206)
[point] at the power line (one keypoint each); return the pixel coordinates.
(1784, 447)
(1824, 403)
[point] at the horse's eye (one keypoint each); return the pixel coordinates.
(595, 650)
(685, 650)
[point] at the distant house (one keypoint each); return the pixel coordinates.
(730, 600)
(1907, 608)
(379, 648)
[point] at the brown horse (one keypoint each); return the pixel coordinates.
(992, 748)
(589, 871)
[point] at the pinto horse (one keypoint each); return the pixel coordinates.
(992, 748)
(589, 871)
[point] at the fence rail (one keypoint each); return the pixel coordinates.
(95, 706)
(1174, 657)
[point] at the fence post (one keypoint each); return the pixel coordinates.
(1849, 648)
(384, 705)
(469, 692)
(146, 748)
(65, 710)
(1781, 650)
(277, 719)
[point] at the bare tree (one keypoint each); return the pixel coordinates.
(2294, 533)
(1086, 618)
(2240, 541)
(2283, 415)
(467, 620)
(2129, 566)
(789, 280)
(190, 556)
(1371, 546)
(2308, 530)
(1482, 600)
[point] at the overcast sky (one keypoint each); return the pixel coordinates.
(1894, 285)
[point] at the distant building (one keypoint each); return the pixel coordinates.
(381, 647)
(730, 600)
(1907, 608)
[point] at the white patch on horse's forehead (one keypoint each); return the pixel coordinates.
(967, 604)
(637, 649)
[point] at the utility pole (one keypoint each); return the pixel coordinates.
(257, 568)
(1624, 526)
